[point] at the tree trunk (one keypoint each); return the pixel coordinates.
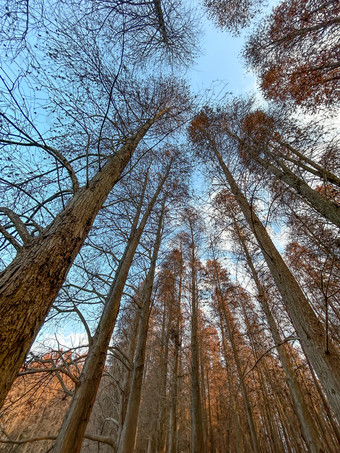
(128, 436)
(72, 432)
(30, 284)
(197, 445)
(225, 314)
(247, 405)
(163, 373)
(239, 442)
(174, 383)
(320, 203)
(124, 394)
(310, 431)
(309, 329)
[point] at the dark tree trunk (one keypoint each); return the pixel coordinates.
(197, 438)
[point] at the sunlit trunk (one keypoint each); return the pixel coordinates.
(30, 284)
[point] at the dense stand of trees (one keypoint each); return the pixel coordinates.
(203, 333)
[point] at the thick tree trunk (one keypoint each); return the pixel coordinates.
(309, 329)
(128, 436)
(309, 430)
(72, 432)
(32, 281)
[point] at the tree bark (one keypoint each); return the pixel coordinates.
(30, 284)
(174, 381)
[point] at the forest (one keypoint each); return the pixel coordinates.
(170, 263)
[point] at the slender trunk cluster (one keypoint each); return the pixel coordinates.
(73, 428)
(309, 329)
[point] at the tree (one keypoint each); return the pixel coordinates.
(197, 441)
(232, 15)
(295, 53)
(76, 63)
(308, 327)
(222, 290)
(309, 429)
(72, 431)
(128, 436)
(261, 141)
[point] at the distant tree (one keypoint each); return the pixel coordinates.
(232, 14)
(296, 53)
(223, 293)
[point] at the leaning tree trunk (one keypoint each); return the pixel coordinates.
(308, 427)
(307, 326)
(129, 432)
(30, 284)
(72, 432)
(325, 207)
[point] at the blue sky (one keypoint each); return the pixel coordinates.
(221, 61)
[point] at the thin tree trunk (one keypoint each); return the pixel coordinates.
(162, 396)
(197, 445)
(124, 394)
(320, 203)
(223, 309)
(309, 329)
(128, 437)
(174, 383)
(71, 434)
(239, 442)
(247, 405)
(30, 284)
